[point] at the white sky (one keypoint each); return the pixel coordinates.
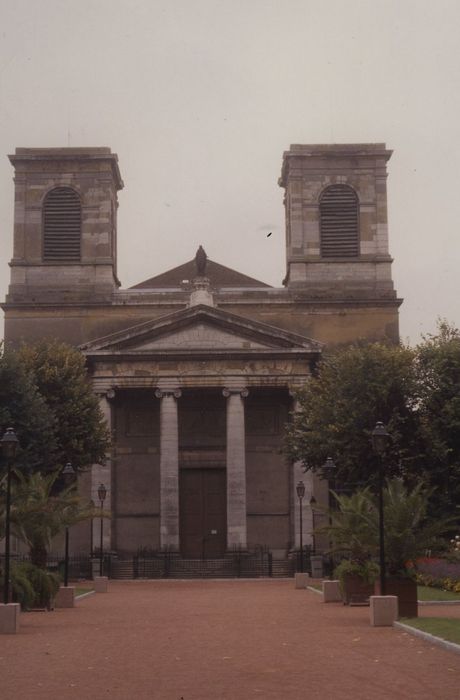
(200, 98)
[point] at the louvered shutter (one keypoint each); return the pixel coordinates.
(339, 222)
(62, 225)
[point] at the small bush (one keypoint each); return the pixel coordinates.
(367, 570)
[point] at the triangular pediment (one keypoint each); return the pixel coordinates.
(200, 328)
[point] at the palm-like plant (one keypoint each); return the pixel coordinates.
(352, 526)
(408, 530)
(40, 512)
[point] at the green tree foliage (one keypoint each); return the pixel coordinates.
(353, 388)
(59, 374)
(438, 375)
(23, 407)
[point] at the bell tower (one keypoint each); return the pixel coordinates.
(64, 226)
(336, 221)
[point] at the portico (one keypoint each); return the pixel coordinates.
(199, 401)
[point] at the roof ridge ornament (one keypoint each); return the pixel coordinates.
(200, 262)
(201, 285)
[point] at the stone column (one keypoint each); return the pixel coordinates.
(298, 474)
(236, 469)
(169, 469)
(102, 474)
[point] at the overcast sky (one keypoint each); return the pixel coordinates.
(200, 98)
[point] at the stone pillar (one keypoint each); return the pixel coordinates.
(169, 468)
(102, 474)
(236, 469)
(298, 474)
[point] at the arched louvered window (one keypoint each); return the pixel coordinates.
(61, 225)
(339, 222)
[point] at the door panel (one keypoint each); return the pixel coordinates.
(203, 513)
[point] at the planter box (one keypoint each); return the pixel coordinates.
(356, 590)
(406, 591)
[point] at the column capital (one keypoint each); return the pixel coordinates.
(242, 391)
(108, 394)
(161, 393)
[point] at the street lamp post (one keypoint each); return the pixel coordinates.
(312, 506)
(329, 469)
(9, 444)
(102, 493)
(300, 488)
(91, 534)
(68, 473)
(380, 438)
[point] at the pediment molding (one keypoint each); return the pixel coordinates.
(201, 329)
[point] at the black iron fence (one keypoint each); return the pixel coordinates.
(163, 564)
(151, 564)
(80, 567)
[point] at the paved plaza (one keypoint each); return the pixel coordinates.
(218, 640)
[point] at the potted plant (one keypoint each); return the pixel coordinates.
(408, 534)
(352, 535)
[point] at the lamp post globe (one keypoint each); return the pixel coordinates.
(9, 445)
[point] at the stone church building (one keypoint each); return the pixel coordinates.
(197, 368)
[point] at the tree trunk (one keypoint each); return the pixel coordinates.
(38, 555)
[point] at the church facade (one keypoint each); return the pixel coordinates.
(197, 368)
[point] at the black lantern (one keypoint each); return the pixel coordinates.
(380, 438)
(102, 493)
(9, 444)
(328, 469)
(68, 473)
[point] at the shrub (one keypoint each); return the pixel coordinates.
(44, 584)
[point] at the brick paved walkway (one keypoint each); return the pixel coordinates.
(218, 640)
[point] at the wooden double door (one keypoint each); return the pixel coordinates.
(203, 513)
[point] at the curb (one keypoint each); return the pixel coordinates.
(315, 590)
(438, 602)
(450, 646)
(84, 595)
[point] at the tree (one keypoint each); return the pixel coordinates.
(60, 375)
(353, 388)
(23, 407)
(438, 375)
(39, 513)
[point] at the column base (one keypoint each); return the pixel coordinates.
(9, 618)
(65, 597)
